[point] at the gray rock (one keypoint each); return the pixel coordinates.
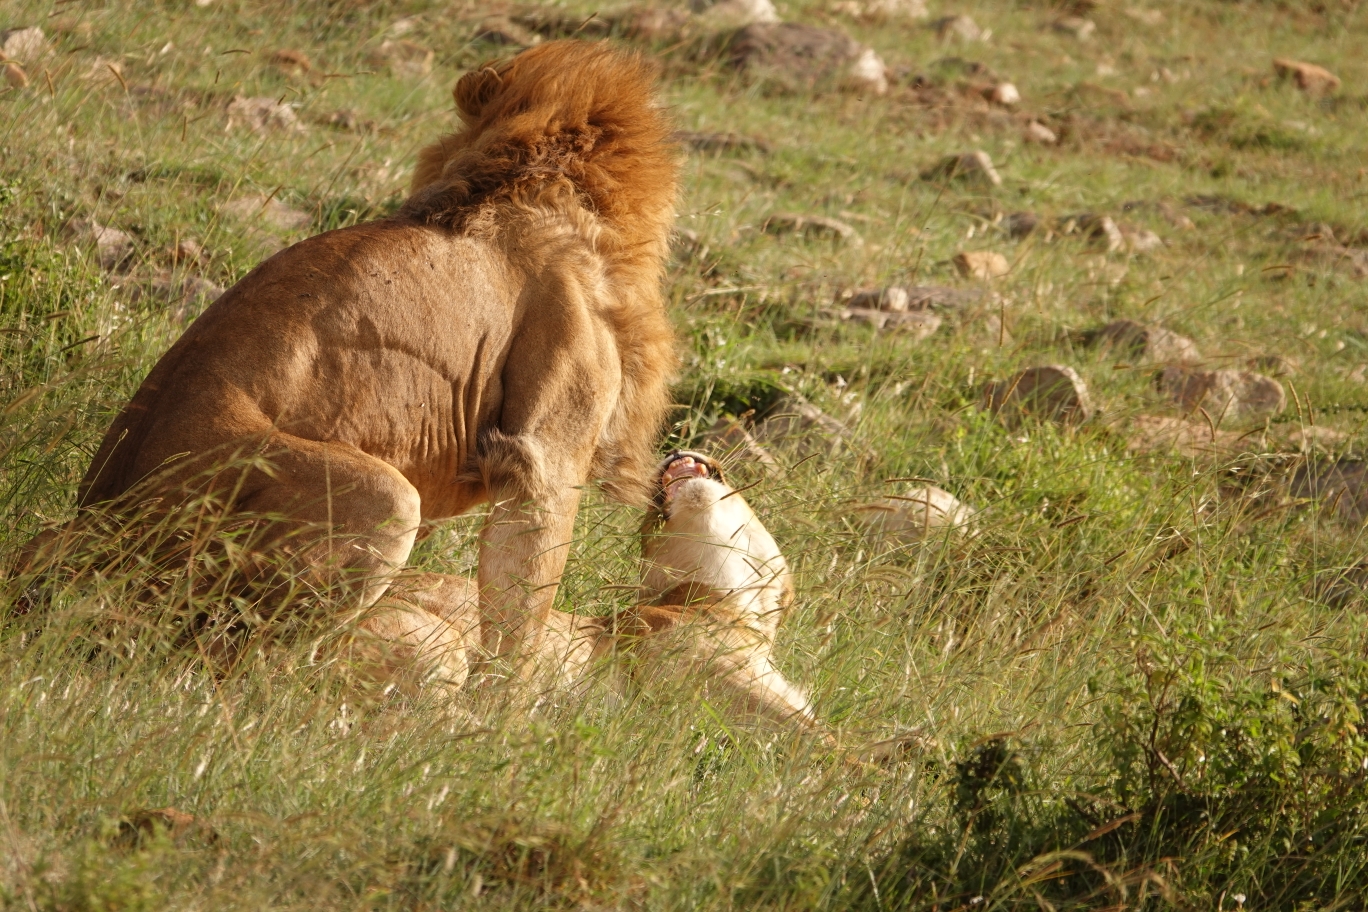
(984, 265)
(262, 115)
(1148, 434)
(23, 45)
(1152, 344)
(916, 324)
(958, 28)
(256, 208)
(1225, 395)
(799, 58)
(796, 419)
(1053, 392)
(729, 437)
(1077, 26)
(1020, 224)
(971, 167)
(113, 248)
(812, 226)
(403, 58)
(1101, 230)
(721, 142)
(1037, 132)
(503, 31)
(735, 13)
(892, 300)
(1341, 486)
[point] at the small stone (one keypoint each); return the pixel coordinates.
(1223, 394)
(112, 246)
(895, 9)
(867, 74)
(1140, 240)
(733, 440)
(1273, 365)
(916, 325)
(185, 297)
(263, 114)
(959, 28)
(15, 76)
(1053, 392)
(1352, 261)
(1077, 26)
(1190, 439)
(1145, 16)
(812, 226)
(1004, 94)
(984, 265)
(256, 208)
(971, 167)
(1020, 224)
(104, 72)
(23, 45)
(187, 250)
(503, 31)
(404, 58)
(295, 63)
(890, 300)
(1151, 344)
(1102, 230)
(1313, 438)
(794, 418)
(1311, 79)
(656, 24)
(941, 297)
(918, 514)
(1037, 132)
(1342, 587)
(736, 13)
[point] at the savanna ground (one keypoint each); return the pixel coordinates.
(1141, 684)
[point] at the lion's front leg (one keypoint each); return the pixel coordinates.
(523, 549)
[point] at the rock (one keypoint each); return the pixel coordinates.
(735, 13)
(112, 247)
(1140, 240)
(1101, 230)
(1224, 394)
(1273, 365)
(656, 24)
(1311, 79)
(1053, 392)
(1077, 26)
(1037, 132)
(1144, 16)
(1020, 224)
(291, 62)
(721, 142)
(23, 45)
(187, 250)
(104, 72)
(404, 58)
(895, 9)
(796, 57)
(867, 74)
(15, 76)
(971, 167)
(262, 115)
(915, 324)
(1314, 438)
(941, 297)
(1341, 486)
(1352, 261)
(813, 226)
(503, 31)
(984, 265)
(1152, 344)
(185, 296)
(729, 436)
(1003, 93)
(256, 208)
(1150, 434)
(891, 300)
(959, 28)
(918, 514)
(794, 418)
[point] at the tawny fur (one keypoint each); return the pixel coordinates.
(502, 339)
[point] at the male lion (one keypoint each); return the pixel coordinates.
(502, 339)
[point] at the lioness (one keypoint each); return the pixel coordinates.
(502, 339)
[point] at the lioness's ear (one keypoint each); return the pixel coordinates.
(474, 90)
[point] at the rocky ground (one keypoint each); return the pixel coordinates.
(1040, 331)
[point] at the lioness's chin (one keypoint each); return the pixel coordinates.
(681, 473)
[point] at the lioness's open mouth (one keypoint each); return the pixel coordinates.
(682, 466)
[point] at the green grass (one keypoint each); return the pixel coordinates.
(1128, 690)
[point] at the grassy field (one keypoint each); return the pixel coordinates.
(1140, 685)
